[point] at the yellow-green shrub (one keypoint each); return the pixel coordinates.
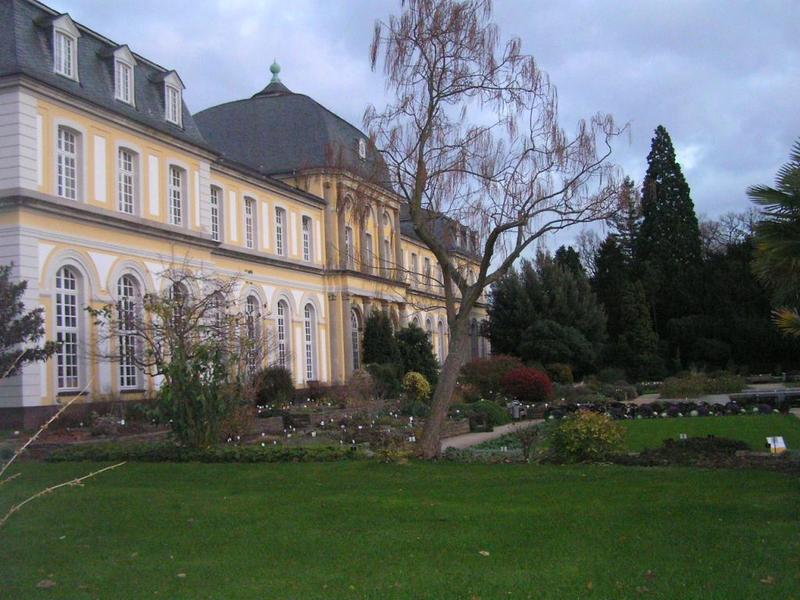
(587, 436)
(416, 388)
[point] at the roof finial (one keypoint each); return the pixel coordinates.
(275, 68)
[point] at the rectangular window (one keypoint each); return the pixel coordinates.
(249, 222)
(307, 239)
(124, 81)
(368, 252)
(126, 181)
(215, 221)
(427, 273)
(173, 104)
(67, 159)
(280, 226)
(64, 55)
(414, 267)
(348, 247)
(175, 196)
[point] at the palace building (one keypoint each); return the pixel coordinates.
(107, 179)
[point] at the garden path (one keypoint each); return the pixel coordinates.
(471, 439)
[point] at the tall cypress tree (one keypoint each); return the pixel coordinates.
(668, 248)
(625, 223)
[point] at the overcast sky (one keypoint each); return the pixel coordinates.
(722, 76)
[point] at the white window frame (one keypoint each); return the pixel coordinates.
(250, 208)
(310, 337)
(252, 313)
(414, 268)
(65, 54)
(355, 337)
(349, 251)
(69, 163)
(369, 254)
(123, 81)
(427, 273)
(283, 332)
(128, 307)
(68, 328)
(308, 244)
(173, 105)
(176, 196)
(127, 180)
(281, 243)
(215, 204)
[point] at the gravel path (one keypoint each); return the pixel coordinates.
(471, 439)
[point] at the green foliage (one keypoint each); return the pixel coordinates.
(486, 374)
(483, 414)
(636, 347)
(560, 373)
(197, 396)
(114, 452)
(416, 388)
(273, 386)
(568, 258)
(668, 247)
(527, 385)
(691, 385)
(19, 328)
(586, 436)
(386, 379)
(380, 344)
(416, 352)
(777, 239)
(547, 313)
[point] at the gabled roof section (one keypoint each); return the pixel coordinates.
(170, 78)
(124, 54)
(26, 48)
(61, 22)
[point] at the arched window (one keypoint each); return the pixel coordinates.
(355, 332)
(310, 334)
(429, 329)
(349, 251)
(179, 298)
(415, 321)
(67, 328)
(252, 313)
(442, 344)
(128, 311)
(387, 243)
(283, 320)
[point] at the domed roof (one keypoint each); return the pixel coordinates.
(278, 132)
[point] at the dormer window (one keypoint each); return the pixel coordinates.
(65, 47)
(173, 101)
(123, 75)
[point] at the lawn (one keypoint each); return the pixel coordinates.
(754, 429)
(369, 530)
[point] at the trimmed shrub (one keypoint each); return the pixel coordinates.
(560, 373)
(416, 388)
(698, 384)
(386, 377)
(482, 415)
(273, 385)
(527, 385)
(416, 352)
(486, 374)
(586, 436)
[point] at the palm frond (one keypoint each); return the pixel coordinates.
(788, 321)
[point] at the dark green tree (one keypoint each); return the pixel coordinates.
(668, 248)
(20, 331)
(547, 313)
(625, 223)
(416, 352)
(612, 274)
(380, 345)
(635, 348)
(568, 257)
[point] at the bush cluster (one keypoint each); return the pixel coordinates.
(699, 384)
(527, 385)
(486, 374)
(483, 415)
(586, 436)
(690, 451)
(273, 386)
(216, 454)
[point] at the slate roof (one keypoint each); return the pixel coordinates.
(277, 131)
(26, 48)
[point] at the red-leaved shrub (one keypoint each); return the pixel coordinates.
(527, 385)
(486, 374)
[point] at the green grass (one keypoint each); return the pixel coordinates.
(754, 429)
(369, 530)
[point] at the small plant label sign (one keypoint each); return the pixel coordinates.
(776, 444)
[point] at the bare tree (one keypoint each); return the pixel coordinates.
(473, 134)
(588, 243)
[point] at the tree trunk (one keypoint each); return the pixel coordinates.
(430, 445)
